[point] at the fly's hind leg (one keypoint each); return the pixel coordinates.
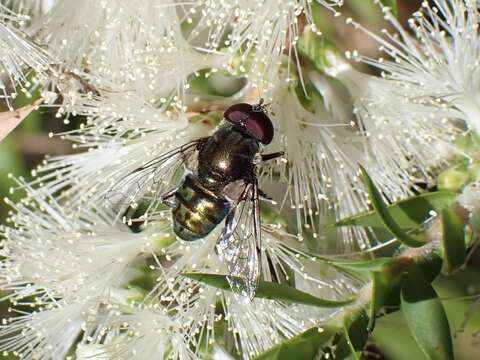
(266, 157)
(168, 198)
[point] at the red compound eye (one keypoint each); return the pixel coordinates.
(256, 122)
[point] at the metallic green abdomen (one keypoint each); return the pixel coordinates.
(197, 211)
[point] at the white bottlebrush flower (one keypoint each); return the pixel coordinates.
(402, 133)
(361, 119)
(66, 257)
(123, 47)
(68, 268)
(46, 333)
(137, 333)
(322, 160)
(21, 61)
(31, 8)
(256, 326)
(438, 65)
(257, 33)
(154, 47)
(177, 321)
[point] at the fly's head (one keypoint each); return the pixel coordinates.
(253, 118)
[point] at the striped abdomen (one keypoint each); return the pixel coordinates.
(197, 211)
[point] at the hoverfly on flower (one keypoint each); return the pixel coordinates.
(222, 185)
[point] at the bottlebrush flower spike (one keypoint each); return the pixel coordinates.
(438, 66)
(122, 48)
(30, 8)
(68, 267)
(19, 57)
(360, 119)
(321, 156)
(259, 32)
(182, 313)
(194, 303)
(402, 133)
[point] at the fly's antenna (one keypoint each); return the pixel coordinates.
(261, 106)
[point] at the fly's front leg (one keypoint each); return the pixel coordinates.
(252, 178)
(266, 157)
(265, 197)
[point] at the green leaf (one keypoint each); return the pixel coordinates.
(359, 268)
(454, 247)
(354, 338)
(305, 346)
(308, 95)
(382, 287)
(455, 177)
(11, 161)
(355, 267)
(394, 340)
(366, 12)
(382, 211)
(425, 316)
(360, 265)
(271, 291)
(316, 49)
(457, 293)
(409, 213)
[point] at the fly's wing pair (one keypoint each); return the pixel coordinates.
(240, 242)
(239, 245)
(152, 181)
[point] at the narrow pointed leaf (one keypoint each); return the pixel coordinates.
(455, 177)
(360, 268)
(271, 291)
(317, 50)
(305, 346)
(361, 265)
(454, 247)
(355, 267)
(353, 339)
(381, 208)
(425, 316)
(382, 287)
(9, 120)
(394, 340)
(409, 213)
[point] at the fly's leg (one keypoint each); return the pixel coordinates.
(168, 198)
(227, 232)
(265, 197)
(229, 228)
(272, 156)
(252, 177)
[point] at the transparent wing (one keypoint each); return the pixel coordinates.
(151, 181)
(239, 245)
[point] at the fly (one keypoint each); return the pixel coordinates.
(222, 187)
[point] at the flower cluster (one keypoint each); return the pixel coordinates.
(147, 77)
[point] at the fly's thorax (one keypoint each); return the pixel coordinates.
(197, 210)
(228, 155)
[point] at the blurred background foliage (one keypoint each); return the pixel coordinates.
(28, 144)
